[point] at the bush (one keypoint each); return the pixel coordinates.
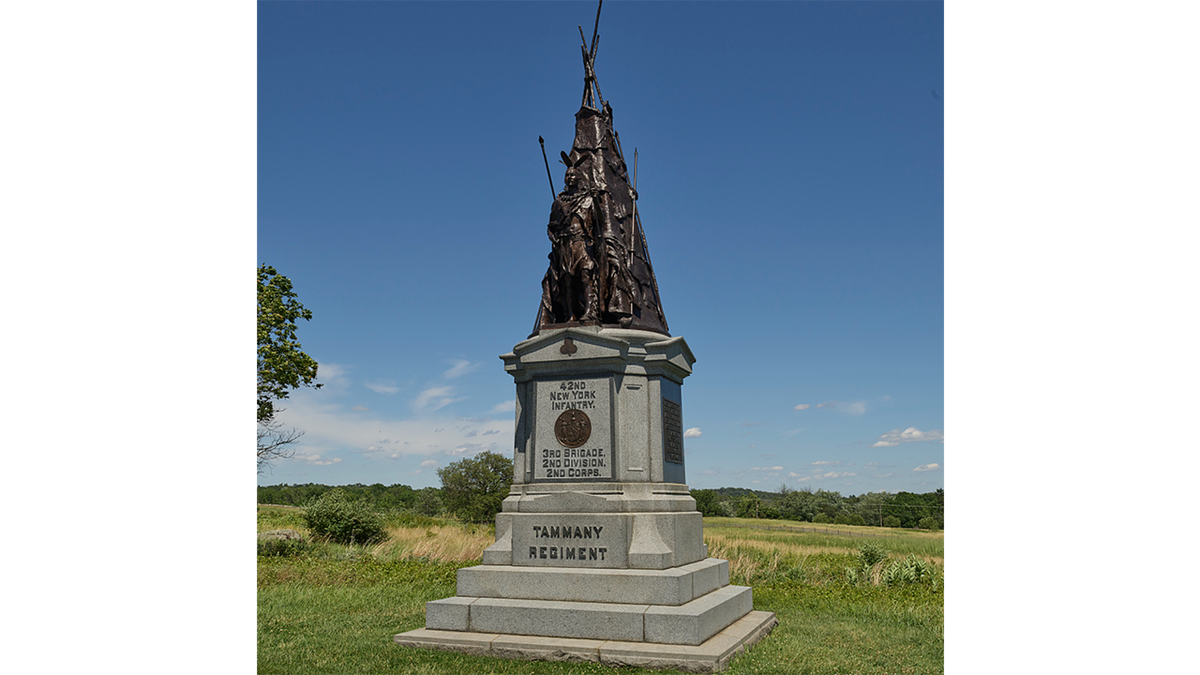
(849, 519)
(929, 523)
(891, 521)
(821, 518)
(869, 554)
(333, 515)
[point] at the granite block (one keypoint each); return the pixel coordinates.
(673, 586)
(588, 620)
(712, 655)
(694, 622)
(534, 648)
(479, 644)
(448, 614)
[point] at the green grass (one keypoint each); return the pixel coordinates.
(336, 612)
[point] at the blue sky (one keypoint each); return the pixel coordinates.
(791, 187)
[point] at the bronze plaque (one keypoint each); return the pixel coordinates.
(573, 428)
(672, 431)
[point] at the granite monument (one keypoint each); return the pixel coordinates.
(599, 552)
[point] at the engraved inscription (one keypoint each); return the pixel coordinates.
(574, 437)
(573, 395)
(570, 540)
(570, 550)
(672, 414)
(574, 463)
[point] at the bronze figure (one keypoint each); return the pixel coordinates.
(599, 272)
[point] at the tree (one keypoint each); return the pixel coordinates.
(428, 503)
(474, 488)
(747, 506)
(282, 364)
(275, 441)
(798, 505)
(706, 502)
(871, 506)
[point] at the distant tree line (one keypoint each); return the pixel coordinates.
(882, 509)
(473, 489)
(378, 496)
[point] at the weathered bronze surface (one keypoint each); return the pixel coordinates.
(599, 272)
(573, 428)
(672, 431)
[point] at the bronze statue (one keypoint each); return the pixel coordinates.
(600, 272)
(568, 289)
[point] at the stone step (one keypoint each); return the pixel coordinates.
(712, 655)
(674, 586)
(688, 624)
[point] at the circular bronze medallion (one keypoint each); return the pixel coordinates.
(573, 428)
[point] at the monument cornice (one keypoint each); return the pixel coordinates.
(602, 350)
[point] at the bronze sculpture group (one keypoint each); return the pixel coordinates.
(600, 272)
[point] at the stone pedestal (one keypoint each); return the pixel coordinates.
(599, 540)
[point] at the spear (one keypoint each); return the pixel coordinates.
(542, 142)
(596, 32)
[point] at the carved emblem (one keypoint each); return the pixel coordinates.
(573, 428)
(568, 348)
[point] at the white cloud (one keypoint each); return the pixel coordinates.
(506, 407)
(461, 367)
(315, 459)
(766, 468)
(929, 467)
(332, 377)
(909, 435)
(361, 408)
(848, 407)
(694, 432)
(382, 387)
(429, 463)
(823, 462)
(435, 398)
(821, 473)
(333, 428)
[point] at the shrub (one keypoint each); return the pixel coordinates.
(346, 522)
(869, 554)
(891, 521)
(849, 519)
(821, 518)
(929, 523)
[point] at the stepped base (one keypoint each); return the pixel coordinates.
(690, 623)
(710, 656)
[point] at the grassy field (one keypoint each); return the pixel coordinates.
(334, 609)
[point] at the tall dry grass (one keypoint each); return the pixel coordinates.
(438, 543)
